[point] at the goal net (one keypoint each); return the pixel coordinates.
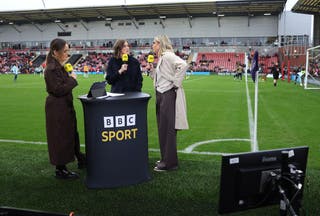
(311, 75)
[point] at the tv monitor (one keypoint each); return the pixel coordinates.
(253, 179)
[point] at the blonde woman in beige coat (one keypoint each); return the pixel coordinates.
(170, 101)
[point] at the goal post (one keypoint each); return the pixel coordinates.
(312, 69)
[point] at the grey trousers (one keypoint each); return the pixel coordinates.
(165, 111)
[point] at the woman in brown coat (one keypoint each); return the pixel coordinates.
(61, 125)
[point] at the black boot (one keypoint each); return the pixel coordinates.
(63, 173)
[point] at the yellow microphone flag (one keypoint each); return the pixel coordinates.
(68, 67)
(125, 58)
(150, 58)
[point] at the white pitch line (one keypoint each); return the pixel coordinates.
(23, 142)
(27, 142)
(188, 150)
(193, 152)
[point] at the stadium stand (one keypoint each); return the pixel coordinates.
(74, 58)
(20, 57)
(39, 60)
(223, 61)
(96, 60)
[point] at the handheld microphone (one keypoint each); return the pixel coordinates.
(125, 58)
(150, 59)
(68, 67)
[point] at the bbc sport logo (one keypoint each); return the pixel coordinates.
(119, 121)
(119, 128)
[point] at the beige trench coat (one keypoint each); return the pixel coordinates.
(173, 68)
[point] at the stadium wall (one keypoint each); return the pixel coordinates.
(260, 26)
(295, 24)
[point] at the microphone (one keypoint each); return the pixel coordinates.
(125, 58)
(68, 67)
(150, 59)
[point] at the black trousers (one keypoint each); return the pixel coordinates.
(165, 111)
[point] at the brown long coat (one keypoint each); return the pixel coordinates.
(60, 114)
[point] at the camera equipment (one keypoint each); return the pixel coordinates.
(257, 179)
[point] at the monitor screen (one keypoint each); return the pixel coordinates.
(246, 180)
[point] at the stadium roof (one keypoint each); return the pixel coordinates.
(146, 11)
(307, 7)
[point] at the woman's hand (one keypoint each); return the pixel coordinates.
(124, 67)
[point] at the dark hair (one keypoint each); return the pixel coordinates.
(57, 44)
(118, 47)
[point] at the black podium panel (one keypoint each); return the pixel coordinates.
(116, 140)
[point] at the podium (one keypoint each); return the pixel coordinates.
(116, 140)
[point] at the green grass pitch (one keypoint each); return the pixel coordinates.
(288, 116)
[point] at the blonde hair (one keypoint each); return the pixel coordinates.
(165, 44)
